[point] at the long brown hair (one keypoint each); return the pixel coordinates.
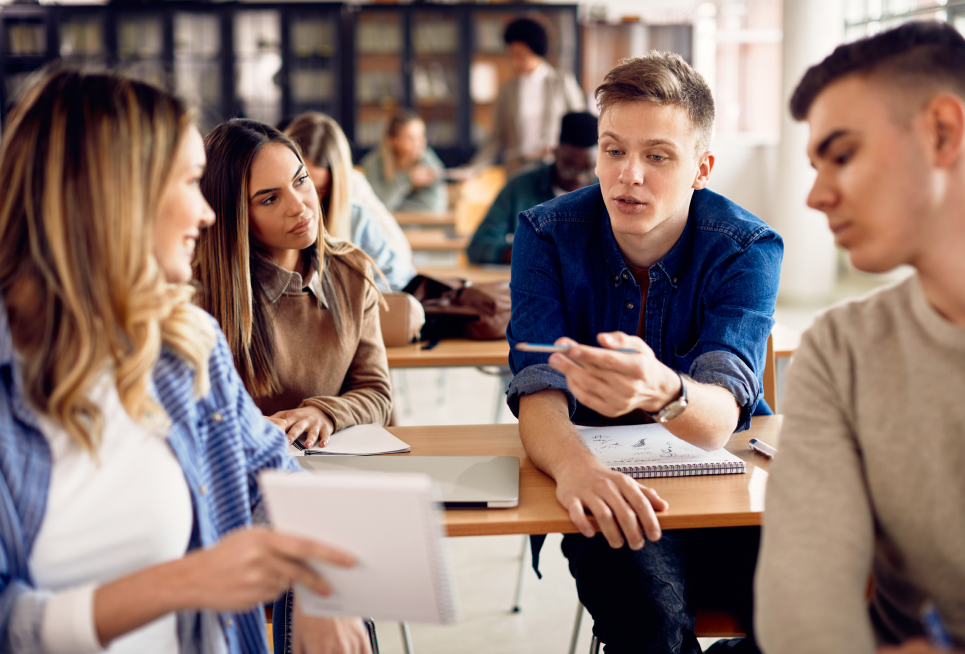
(226, 264)
(84, 161)
(323, 143)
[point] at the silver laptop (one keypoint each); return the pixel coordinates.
(466, 482)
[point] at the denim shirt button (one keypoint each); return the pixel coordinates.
(674, 280)
(626, 276)
(629, 305)
(617, 278)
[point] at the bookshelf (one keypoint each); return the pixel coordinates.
(272, 61)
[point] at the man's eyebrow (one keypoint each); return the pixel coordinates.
(272, 190)
(823, 146)
(649, 143)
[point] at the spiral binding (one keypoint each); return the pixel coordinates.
(440, 565)
(681, 469)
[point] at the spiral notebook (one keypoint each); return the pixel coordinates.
(391, 523)
(645, 451)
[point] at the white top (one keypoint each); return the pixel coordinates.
(532, 91)
(128, 510)
(868, 476)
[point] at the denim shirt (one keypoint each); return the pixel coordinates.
(222, 442)
(709, 308)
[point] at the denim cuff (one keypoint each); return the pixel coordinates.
(536, 378)
(728, 371)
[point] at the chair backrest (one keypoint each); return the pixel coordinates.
(770, 376)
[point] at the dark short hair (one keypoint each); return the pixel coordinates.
(579, 129)
(661, 78)
(528, 32)
(913, 54)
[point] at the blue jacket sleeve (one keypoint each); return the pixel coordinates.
(368, 235)
(538, 316)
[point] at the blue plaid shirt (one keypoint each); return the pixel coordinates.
(222, 441)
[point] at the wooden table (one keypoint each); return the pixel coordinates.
(708, 501)
(420, 218)
(450, 352)
(475, 274)
(435, 240)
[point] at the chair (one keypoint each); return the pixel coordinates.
(476, 195)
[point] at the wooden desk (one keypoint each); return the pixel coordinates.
(786, 340)
(709, 501)
(475, 274)
(418, 218)
(450, 352)
(434, 240)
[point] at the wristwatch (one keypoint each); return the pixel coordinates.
(676, 407)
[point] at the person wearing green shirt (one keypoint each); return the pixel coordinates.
(572, 170)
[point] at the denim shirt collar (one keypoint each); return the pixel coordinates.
(667, 265)
(10, 374)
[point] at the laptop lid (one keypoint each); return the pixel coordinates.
(466, 482)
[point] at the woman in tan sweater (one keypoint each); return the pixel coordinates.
(299, 308)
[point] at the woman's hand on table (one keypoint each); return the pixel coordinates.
(307, 420)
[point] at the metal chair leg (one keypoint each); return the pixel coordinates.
(595, 646)
(406, 638)
(522, 574)
(576, 627)
(373, 637)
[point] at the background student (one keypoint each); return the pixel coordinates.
(572, 170)
(350, 207)
(405, 172)
(529, 106)
(869, 473)
(129, 449)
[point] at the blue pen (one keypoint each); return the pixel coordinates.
(546, 347)
(931, 623)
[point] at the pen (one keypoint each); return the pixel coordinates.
(934, 628)
(762, 447)
(546, 347)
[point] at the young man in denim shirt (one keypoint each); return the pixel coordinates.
(648, 260)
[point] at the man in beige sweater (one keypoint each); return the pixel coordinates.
(870, 477)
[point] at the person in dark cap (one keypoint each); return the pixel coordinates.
(572, 170)
(529, 106)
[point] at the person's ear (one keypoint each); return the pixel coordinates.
(945, 124)
(705, 164)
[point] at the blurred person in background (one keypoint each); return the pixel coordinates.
(572, 170)
(405, 172)
(351, 209)
(530, 106)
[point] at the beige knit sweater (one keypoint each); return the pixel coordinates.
(342, 372)
(870, 476)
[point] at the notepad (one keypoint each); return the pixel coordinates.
(360, 440)
(645, 451)
(391, 523)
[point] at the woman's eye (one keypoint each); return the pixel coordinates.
(270, 200)
(301, 180)
(842, 158)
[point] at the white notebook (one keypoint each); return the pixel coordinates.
(644, 451)
(390, 522)
(360, 440)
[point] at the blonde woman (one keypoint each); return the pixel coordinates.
(405, 172)
(129, 449)
(350, 207)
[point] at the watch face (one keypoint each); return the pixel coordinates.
(672, 410)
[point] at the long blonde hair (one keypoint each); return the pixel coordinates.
(84, 160)
(323, 143)
(226, 264)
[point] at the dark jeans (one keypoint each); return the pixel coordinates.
(643, 601)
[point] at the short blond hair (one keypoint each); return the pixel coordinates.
(661, 78)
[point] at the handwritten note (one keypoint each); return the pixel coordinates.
(652, 448)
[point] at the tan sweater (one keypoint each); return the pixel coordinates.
(343, 373)
(870, 476)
